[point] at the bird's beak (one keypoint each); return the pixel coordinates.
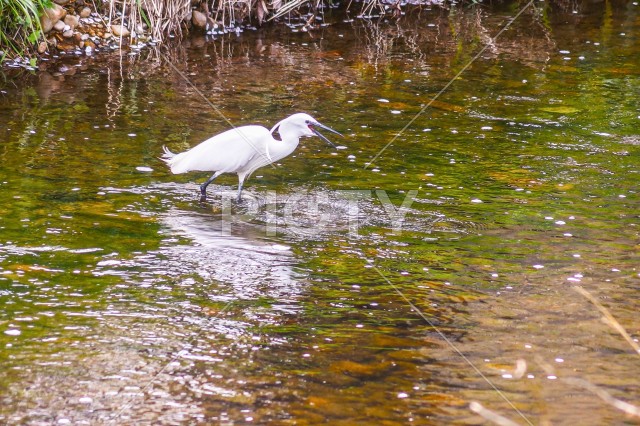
(320, 135)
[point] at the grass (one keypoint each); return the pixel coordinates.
(20, 27)
(165, 17)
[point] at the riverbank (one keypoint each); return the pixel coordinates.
(79, 28)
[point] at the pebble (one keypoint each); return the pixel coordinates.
(118, 30)
(67, 34)
(46, 23)
(42, 47)
(59, 26)
(199, 19)
(55, 13)
(85, 13)
(72, 21)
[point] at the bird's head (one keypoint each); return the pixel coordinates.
(305, 125)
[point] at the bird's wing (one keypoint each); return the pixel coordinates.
(229, 151)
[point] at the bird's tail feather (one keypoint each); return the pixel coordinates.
(174, 160)
(167, 155)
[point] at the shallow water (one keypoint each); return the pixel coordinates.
(125, 300)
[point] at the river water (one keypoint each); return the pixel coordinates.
(350, 286)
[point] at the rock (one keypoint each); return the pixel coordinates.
(67, 34)
(85, 13)
(119, 30)
(42, 47)
(61, 2)
(362, 371)
(107, 36)
(59, 26)
(55, 13)
(45, 23)
(199, 19)
(72, 21)
(90, 44)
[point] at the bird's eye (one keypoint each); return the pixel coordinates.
(307, 122)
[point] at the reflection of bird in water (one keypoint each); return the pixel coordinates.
(239, 265)
(244, 149)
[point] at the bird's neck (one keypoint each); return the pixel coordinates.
(279, 149)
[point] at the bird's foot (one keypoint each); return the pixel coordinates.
(203, 193)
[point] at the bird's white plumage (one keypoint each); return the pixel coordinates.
(243, 150)
(227, 152)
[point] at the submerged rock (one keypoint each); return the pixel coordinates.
(361, 371)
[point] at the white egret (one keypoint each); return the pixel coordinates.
(244, 149)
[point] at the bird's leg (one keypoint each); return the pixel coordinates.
(239, 192)
(203, 187)
(240, 184)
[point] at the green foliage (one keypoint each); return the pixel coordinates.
(20, 27)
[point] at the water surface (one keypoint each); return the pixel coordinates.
(125, 300)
